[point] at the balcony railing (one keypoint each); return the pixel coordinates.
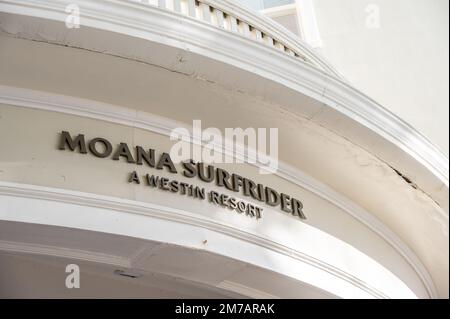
(233, 17)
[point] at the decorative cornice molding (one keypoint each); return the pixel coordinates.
(14, 247)
(124, 116)
(54, 251)
(278, 32)
(169, 214)
(364, 110)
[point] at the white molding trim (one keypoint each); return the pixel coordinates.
(229, 7)
(169, 214)
(281, 33)
(54, 251)
(124, 116)
(14, 247)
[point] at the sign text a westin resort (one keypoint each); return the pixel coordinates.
(102, 148)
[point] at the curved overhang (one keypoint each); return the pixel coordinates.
(402, 179)
(307, 74)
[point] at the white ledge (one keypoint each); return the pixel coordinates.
(338, 281)
(164, 126)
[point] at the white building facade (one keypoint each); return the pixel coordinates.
(347, 101)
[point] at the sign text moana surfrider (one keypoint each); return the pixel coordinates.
(102, 148)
